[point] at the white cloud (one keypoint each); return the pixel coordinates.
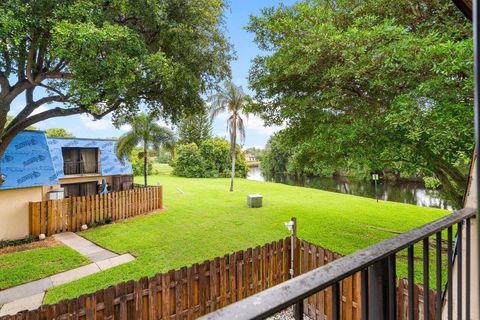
(102, 124)
(125, 127)
(255, 123)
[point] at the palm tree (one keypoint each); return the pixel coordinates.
(233, 100)
(147, 133)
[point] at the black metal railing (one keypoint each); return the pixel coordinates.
(80, 167)
(377, 265)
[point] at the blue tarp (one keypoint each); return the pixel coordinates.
(27, 162)
(109, 163)
(32, 159)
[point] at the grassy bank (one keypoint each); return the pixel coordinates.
(203, 220)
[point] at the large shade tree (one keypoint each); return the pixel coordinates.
(101, 56)
(147, 133)
(375, 82)
(232, 100)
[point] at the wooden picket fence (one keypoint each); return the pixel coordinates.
(55, 216)
(189, 293)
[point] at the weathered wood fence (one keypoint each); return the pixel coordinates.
(55, 216)
(197, 290)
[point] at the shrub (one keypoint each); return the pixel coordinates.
(211, 160)
(216, 155)
(431, 182)
(188, 161)
(8, 243)
(136, 159)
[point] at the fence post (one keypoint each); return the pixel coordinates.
(298, 307)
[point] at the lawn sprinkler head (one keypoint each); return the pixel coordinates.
(289, 225)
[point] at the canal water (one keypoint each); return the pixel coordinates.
(405, 192)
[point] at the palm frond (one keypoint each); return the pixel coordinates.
(161, 136)
(125, 144)
(241, 129)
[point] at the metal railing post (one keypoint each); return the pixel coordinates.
(378, 301)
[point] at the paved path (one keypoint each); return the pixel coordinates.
(30, 295)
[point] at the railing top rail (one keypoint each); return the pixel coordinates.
(275, 299)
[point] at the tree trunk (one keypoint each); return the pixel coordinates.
(453, 180)
(233, 170)
(452, 193)
(6, 139)
(145, 163)
(233, 145)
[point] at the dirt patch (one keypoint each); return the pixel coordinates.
(48, 242)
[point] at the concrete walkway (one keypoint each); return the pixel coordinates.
(30, 295)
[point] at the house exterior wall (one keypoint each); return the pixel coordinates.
(27, 162)
(471, 201)
(14, 216)
(109, 164)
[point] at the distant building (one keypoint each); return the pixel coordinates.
(38, 168)
(250, 157)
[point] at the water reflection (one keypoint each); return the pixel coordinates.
(405, 192)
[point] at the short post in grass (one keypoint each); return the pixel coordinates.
(375, 179)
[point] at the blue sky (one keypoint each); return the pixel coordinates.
(237, 17)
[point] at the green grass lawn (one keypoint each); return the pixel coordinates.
(21, 267)
(206, 221)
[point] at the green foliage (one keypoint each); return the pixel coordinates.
(164, 156)
(211, 160)
(234, 101)
(276, 156)
(195, 128)
(216, 156)
(188, 161)
(8, 243)
(369, 84)
(136, 159)
(109, 56)
(58, 133)
(431, 183)
(147, 133)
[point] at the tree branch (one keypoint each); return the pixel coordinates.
(53, 75)
(4, 85)
(52, 113)
(30, 59)
(17, 89)
(29, 108)
(114, 106)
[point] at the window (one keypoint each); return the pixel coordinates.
(80, 160)
(80, 189)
